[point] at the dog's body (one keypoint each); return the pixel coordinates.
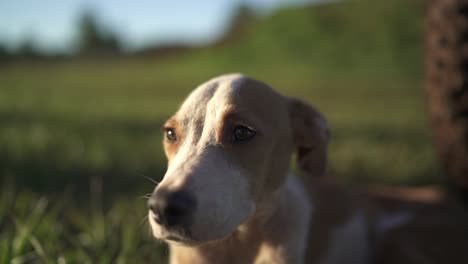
(228, 197)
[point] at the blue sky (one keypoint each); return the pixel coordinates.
(52, 23)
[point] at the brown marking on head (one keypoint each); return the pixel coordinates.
(227, 120)
(171, 147)
(268, 156)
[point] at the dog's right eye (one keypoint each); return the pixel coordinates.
(171, 135)
(243, 133)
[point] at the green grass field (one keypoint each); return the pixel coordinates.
(79, 138)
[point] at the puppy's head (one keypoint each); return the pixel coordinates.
(229, 147)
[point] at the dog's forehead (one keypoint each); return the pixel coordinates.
(226, 91)
(220, 88)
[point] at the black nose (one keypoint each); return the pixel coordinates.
(172, 208)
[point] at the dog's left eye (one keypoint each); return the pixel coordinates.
(243, 133)
(171, 134)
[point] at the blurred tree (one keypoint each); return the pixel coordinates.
(28, 49)
(93, 38)
(241, 19)
(243, 14)
(447, 86)
(4, 54)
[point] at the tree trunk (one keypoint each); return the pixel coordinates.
(446, 86)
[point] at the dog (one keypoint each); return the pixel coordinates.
(228, 195)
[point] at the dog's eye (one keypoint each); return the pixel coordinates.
(171, 134)
(243, 133)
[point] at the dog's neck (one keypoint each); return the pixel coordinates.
(269, 236)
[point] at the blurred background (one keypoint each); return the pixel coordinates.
(86, 85)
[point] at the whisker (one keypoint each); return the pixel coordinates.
(152, 180)
(143, 220)
(146, 196)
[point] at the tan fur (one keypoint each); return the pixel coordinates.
(171, 148)
(250, 208)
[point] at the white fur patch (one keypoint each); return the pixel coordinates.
(295, 240)
(305, 210)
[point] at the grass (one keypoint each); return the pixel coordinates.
(40, 229)
(78, 138)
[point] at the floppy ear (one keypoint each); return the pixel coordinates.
(310, 134)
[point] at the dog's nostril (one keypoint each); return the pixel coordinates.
(153, 205)
(157, 217)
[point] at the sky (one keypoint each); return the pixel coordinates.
(51, 24)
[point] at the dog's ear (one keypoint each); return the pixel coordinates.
(310, 134)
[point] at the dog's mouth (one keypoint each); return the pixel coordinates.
(179, 239)
(174, 238)
(175, 234)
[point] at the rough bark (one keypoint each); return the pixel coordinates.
(446, 86)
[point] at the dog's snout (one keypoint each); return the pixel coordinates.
(172, 208)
